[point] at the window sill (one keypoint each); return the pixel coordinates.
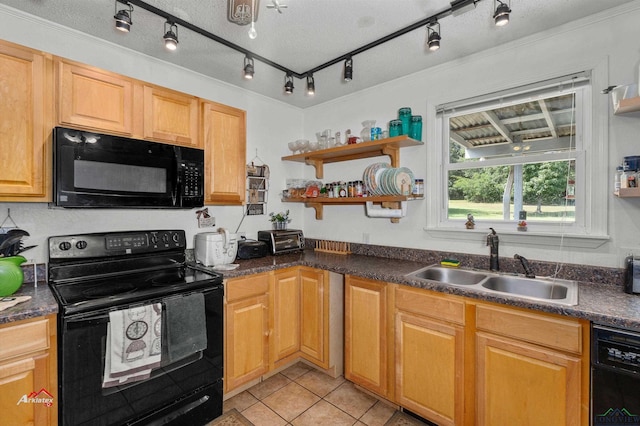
(517, 237)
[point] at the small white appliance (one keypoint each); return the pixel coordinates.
(216, 248)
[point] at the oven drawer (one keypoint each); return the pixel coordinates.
(23, 338)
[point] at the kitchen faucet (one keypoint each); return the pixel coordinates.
(492, 242)
(525, 264)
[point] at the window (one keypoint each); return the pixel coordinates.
(518, 153)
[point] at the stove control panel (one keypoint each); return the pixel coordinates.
(115, 244)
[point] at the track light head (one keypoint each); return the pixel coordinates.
(170, 36)
(288, 84)
(501, 15)
(123, 18)
(433, 35)
(348, 69)
(311, 85)
(248, 68)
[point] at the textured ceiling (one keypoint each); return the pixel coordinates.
(311, 32)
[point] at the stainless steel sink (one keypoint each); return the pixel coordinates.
(557, 291)
(449, 275)
(532, 287)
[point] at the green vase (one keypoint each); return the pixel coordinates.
(11, 275)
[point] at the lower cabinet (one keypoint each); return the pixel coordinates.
(28, 372)
(246, 349)
(531, 368)
(429, 346)
(366, 327)
(274, 318)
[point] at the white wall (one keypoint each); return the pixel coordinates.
(263, 116)
(606, 38)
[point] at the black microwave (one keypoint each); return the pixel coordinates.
(92, 170)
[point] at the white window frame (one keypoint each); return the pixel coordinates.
(590, 227)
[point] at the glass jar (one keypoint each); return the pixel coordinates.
(395, 128)
(418, 188)
(367, 125)
(415, 128)
(359, 188)
(351, 189)
(404, 114)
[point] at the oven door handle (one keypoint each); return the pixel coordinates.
(97, 317)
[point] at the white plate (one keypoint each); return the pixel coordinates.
(226, 267)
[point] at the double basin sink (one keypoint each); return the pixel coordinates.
(563, 292)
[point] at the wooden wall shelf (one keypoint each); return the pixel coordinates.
(628, 193)
(388, 146)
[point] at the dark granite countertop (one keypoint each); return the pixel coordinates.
(41, 303)
(599, 302)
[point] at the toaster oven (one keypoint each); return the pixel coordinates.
(282, 241)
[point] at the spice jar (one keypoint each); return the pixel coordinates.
(359, 187)
(351, 189)
(418, 188)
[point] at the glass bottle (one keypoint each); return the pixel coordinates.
(616, 179)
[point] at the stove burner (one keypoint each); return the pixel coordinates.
(168, 279)
(98, 292)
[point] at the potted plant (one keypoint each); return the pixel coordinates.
(279, 220)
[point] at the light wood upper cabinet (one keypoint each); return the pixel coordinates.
(366, 325)
(26, 120)
(94, 99)
(27, 365)
(246, 336)
(171, 117)
(224, 138)
(430, 354)
(286, 314)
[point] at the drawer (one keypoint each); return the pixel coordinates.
(423, 302)
(243, 287)
(22, 338)
(550, 331)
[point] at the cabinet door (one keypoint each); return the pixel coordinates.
(94, 99)
(366, 334)
(314, 320)
(26, 114)
(429, 368)
(171, 117)
(523, 384)
(247, 341)
(286, 314)
(224, 138)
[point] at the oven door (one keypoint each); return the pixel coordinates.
(187, 391)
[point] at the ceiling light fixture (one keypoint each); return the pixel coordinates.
(348, 69)
(311, 85)
(288, 84)
(170, 35)
(433, 35)
(123, 18)
(248, 68)
(501, 15)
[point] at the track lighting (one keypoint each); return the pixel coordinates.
(123, 18)
(170, 36)
(248, 68)
(311, 85)
(501, 15)
(348, 69)
(288, 84)
(433, 35)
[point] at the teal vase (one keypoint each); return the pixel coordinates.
(11, 275)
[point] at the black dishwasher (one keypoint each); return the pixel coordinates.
(615, 376)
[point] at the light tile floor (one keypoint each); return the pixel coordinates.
(301, 395)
